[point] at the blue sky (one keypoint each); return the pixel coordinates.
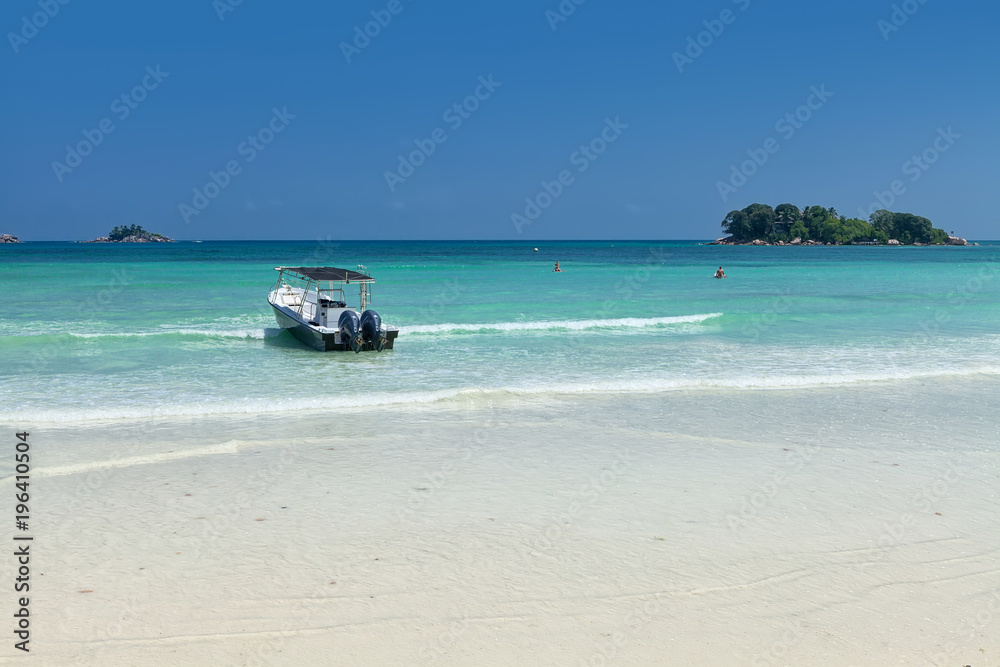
(219, 83)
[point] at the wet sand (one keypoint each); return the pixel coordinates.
(834, 526)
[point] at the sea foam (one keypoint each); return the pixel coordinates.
(567, 325)
(341, 402)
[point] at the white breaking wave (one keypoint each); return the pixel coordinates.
(570, 325)
(254, 333)
(263, 407)
(260, 333)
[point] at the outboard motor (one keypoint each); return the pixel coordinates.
(371, 330)
(350, 329)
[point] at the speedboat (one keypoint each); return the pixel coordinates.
(309, 301)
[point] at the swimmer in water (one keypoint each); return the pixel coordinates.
(720, 273)
(557, 269)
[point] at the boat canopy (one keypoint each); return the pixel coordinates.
(324, 273)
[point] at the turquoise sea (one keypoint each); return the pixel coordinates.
(92, 331)
(626, 459)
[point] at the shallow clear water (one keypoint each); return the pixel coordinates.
(93, 331)
(811, 441)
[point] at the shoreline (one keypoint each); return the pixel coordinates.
(446, 399)
(476, 534)
(760, 242)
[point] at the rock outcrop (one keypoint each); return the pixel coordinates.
(7, 238)
(729, 240)
(145, 237)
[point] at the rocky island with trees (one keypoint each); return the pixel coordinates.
(787, 224)
(131, 234)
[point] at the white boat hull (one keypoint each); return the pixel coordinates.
(319, 338)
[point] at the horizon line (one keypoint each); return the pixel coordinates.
(526, 241)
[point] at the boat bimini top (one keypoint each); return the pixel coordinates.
(326, 274)
(327, 281)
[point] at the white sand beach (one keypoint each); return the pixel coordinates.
(852, 525)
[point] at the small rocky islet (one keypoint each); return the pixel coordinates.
(131, 234)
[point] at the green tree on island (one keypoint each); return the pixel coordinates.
(786, 216)
(123, 232)
(816, 223)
